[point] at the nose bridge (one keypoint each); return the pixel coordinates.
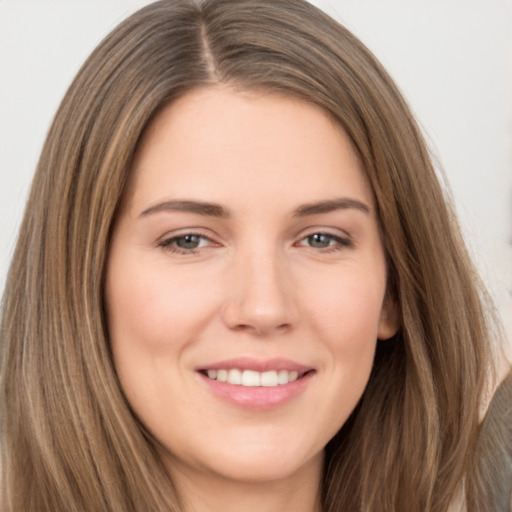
(261, 297)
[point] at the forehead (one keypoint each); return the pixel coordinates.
(214, 142)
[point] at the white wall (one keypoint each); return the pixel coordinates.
(451, 58)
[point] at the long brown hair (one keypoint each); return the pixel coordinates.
(69, 440)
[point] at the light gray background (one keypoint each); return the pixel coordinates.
(451, 58)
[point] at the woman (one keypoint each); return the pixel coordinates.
(238, 284)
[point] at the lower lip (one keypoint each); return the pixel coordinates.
(258, 397)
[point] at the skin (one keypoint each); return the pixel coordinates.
(257, 285)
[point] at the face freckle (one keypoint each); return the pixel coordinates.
(245, 285)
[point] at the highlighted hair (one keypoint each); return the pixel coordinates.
(70, 442)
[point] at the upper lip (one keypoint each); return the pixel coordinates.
(258, 365)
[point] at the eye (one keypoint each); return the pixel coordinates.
(187, 243)
(325, 241)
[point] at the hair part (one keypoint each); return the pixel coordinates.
(69, 439)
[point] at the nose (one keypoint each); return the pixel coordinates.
(261, 298)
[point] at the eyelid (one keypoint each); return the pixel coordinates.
(344, 240)
(166, 241)
(341, 239)
(330, 231)
(187, 230)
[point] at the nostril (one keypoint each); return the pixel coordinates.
(259, 309)
(263, 329)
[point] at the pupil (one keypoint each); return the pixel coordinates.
(319, 241)
(188, 242)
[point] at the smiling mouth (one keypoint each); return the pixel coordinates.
(252, 378)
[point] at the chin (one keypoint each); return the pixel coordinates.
(272, 468)
(250, 462)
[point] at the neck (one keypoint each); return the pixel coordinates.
(202, 491)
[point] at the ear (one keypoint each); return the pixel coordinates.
(389, 321)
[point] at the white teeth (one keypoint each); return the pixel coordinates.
(235, 376)
(282, 377)
(269, 379)
(251, 378)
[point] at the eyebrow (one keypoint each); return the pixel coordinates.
(199, 207)
(330, 205)
(216, 210)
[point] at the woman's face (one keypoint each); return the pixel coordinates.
(245, 284)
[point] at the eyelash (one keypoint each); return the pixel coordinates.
(169, 244)
(340, 243)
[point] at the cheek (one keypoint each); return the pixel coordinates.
(346, 320)
(152, 308)
(154, 318)
(347, 309)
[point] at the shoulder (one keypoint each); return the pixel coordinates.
(489, 485)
